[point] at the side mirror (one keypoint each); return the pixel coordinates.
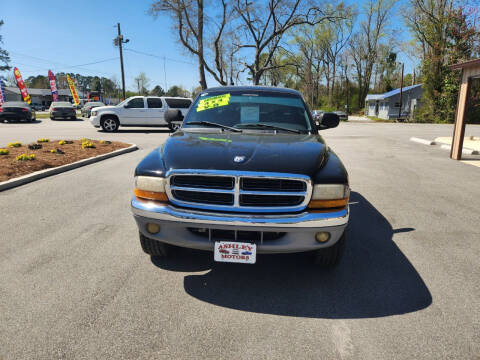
(329, 120)
(173, 115)
(126, 106)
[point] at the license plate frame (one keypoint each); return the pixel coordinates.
(235, 252)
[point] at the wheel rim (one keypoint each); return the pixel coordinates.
(110, 125)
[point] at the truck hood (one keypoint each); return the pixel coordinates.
(281, 152)
(102, 108)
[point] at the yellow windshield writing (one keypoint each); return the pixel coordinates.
(213, 102)
(215, 139)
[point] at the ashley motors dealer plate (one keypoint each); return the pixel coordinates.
(236, 252)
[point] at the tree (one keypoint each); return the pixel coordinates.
(264, 27)
(190, 25)
(4, 57)
(157, 91)
(177, 91)
(142, 83)
(446, 35)
(364, 44)
(37, 82)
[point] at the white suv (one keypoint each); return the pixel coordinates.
(138, 111)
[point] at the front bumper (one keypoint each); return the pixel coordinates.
(63, 114)
(95, 120)
(298, 229)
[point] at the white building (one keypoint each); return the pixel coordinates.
(386, 106)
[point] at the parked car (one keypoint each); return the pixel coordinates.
(16, 111)
(37, 107)
(87, 108)
(62, 110)
(139, 111)
(248, 163)
(342, 115)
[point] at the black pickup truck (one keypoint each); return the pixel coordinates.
(247, 173)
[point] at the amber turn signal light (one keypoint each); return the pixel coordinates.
(323, 204)
(150, 195)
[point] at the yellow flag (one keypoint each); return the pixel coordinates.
(71, 85)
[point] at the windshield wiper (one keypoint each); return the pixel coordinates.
(213, 124)
(266, 126)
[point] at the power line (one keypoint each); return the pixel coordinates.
(66, 65)
(161, 57)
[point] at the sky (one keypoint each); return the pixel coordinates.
(68, 36)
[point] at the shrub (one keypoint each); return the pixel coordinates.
(43, 140)
(15, 144)
(105, 142)
(4, 152)
(87, 144)
(25, 157)
(35, 146)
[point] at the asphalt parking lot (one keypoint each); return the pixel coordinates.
(75, 283)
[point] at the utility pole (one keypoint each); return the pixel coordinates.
(119, 41)
(401, 95)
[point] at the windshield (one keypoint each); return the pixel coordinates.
(125, 101)
(14, 104)
(250, 109)
(61, 103)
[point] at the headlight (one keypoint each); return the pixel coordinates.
(150, 187)
(326, 196)
(94, 113)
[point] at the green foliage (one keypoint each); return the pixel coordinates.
(4, 57)
(157, 91)
(43, 140)
(448, 37)
(4, 151)
(177, 91)
(14, 144)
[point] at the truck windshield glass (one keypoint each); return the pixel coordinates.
(244, 110)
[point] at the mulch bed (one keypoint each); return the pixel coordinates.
(11, 168)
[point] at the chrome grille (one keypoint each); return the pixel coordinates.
(235, 191)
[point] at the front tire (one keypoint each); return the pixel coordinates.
(109, 124)
(330, 257)
(154, 247)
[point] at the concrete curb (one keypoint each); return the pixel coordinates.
(422, 141)
(60, 169)
(465, 151)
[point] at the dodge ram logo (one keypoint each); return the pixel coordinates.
(239, 159)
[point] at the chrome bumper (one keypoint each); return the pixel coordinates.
(298, 229)
(169, 213)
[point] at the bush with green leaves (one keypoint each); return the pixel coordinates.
(14, 144)
(42, 140)
(4, 152)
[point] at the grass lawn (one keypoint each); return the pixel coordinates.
(376, 119)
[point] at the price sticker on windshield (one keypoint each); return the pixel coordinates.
(213, 102)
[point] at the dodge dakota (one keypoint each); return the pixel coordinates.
(247, 173)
